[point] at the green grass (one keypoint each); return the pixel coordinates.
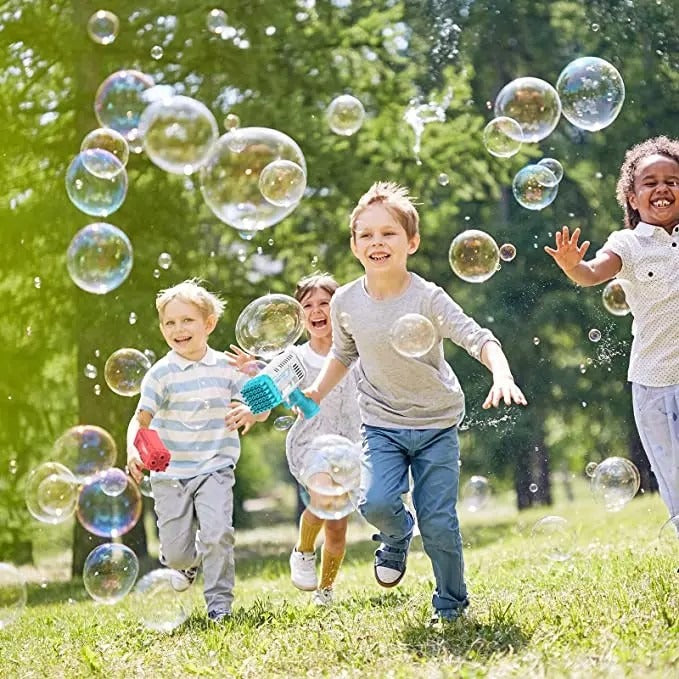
(610, 610)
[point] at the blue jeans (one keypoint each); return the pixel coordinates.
(433, 456)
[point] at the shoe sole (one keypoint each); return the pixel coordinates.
(305, 589)
(387, 585)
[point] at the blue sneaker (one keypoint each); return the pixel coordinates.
(390, 563)
(219, 615)
(440, 618)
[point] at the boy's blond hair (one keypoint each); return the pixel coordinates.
(191, 292)
(395, 200)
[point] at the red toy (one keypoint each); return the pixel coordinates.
(154, 455)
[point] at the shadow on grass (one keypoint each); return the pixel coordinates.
(56, 593)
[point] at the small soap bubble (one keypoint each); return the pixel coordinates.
(443, 179)
(583, 368)
(533, 488)
(615, 482)
(475, 493)
(51, 493)
(536, 341)
(231, 122)
(594, 335)
(282, 183)
(97, 389)
(156, 273)
(113, 481)
(124, 370)
(535, 187)
(412, 335)
(555, 167)
(165, 260)
(613, 298)
(595, 27)
(270, 242)
(556, 537)
(474, 256)
(283, 423)
(132, 318)
(502, 137)
(90, 371)
(241, 254)
(507, 252)
(109, 140)
(345, 115)
(217, 21)
(590, 469)
(151, 355)
(37, 282)
(103, 27)
(145, 486)
(13, 595)
(157, 52)
(96, 182)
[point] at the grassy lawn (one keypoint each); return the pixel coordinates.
(609, 610)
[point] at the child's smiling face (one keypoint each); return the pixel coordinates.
(186, 329)
(316, 306)
(656, 191)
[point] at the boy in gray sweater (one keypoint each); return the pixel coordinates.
(410, 406)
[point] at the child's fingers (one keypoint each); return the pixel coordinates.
(584, 247)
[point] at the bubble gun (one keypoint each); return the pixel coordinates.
(154, 455)
(279, 383)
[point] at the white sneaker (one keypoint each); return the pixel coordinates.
(322, 597)
(303, 570)
(181, 580)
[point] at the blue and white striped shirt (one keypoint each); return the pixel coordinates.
(188, 401)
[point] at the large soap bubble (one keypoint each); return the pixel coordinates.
(474, 256)
(108, 140)
(345, 115)
(120, 101)
(613, 298)
(502, 137)
(12, 595)
(178, 133)
(533, 103)
(160, 605)
(592, 93)
(103, 27)
(615, 482)
(412, 335)
(556, 537)
(51, 493)
(110, 572)
(107, 515)
(230, 177)
(96, 182)
(475, 493)
(86, 450)
(270, 324)
(535, 187)
(282, 183)
(99, 258)
(124, 371)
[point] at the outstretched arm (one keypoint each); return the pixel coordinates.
(569, 256)
(504, 387)
(330, 376)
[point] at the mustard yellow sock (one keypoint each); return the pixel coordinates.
(307, 535)
(330, 565)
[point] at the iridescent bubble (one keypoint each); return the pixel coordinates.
(12, 595)
(613, 298)
(96, 182)
(507, 252)
(90, 371)
(533, 103)
(282, 183)
(615, 482)
(145, 486)
(51, 493)
(475, 493)
(590, 467)
(535, 187)
(555, 167)
(230, 177)
(216, 21)
(592, 93)
(160, 606)
(157, 52)
(594, 335)
(345, 115)
(502, 137)
(114, 481)
(99, 258)
(474, 256)
(124, 371)
(283, 423)
(151, 355)
(443, 179)
(556, 537)
(86, 450)
(412, 335)
(119, 102)
(108, 140)
(103, 27)
(165, 260)
(269, 324)
(107, 515)
(110, 572)
(178, 134)
(231, 122)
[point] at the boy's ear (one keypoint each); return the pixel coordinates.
(352, 244)
(414, 244)
(210, 323)
(632, 200)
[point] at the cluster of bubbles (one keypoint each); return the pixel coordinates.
(474, 256)
(475, 493)
(124, 370)
(412, 335)
(614, 482)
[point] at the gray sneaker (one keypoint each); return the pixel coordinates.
(219, 615)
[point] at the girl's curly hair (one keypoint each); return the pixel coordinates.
(661, 146)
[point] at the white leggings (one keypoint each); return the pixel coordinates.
(656, 411)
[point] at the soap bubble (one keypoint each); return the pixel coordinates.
(178, 134)
(345, 115)
(110, 572)
(282, 183)
(474, 256)
(157, 52)
(270, 324)
(230, 177)
(90, 371)
(151, 355)
(165, 260)
(533, 103)
(507, 252)
(145, 486)
(613, 298)
(216, 21)
(443, 179)
(535, 187)
(283, 423)
(86, 450)
(51, 493)
(12, 595)
(114, 481)
(669, 532)
(412, 335)
(231, 122)
(592, 93)
(615, 482)
(99, 258)
(590, 469)
(107, 515)
(556, 537)
(108, 140)
(124, 371)
(555, 167)
(96, 182)
(252, 368)
(594, 335)
(160, 606)
(196, 414)
(475, 493)
(502, 137)
(120, 100)
(103, 27)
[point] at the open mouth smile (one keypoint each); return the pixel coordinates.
(661, 202)
(378, 257)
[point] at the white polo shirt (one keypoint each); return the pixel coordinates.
(650, 279)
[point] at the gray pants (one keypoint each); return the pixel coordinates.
(195, 519)
(656, 411)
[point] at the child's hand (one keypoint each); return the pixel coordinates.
(311, 393)
(239, 415)
(239, 358)
(568, 254)
(135, 467)
(504, 389)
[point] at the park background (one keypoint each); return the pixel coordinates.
(387, 54)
